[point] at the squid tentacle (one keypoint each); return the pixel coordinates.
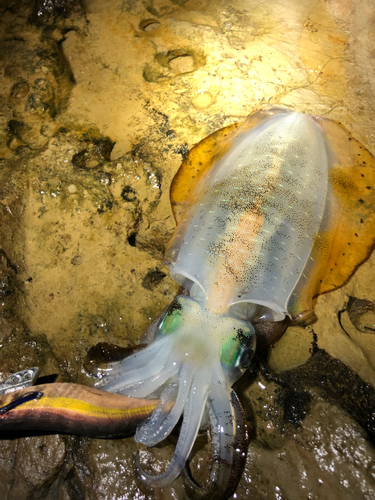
(136, 367)
(229, 451)
(154, 421)
(149, 385)
(139, 358)
(151, 435)
(194, 409)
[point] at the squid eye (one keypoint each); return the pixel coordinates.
(237, 352)
(172, 319)
(245, 358)
(170, 322)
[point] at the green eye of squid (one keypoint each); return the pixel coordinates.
(170, 323)
(236, 352)
(172, 319)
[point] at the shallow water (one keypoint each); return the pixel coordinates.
(98, 109)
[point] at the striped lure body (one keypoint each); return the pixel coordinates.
(270, 213)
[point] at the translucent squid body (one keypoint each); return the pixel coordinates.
(271, 213)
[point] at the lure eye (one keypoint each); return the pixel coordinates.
(238, 351)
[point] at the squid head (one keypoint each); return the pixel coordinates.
(192, 363)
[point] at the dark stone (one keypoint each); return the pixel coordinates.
(152, 279)
(357, 308)
(20, 90)
(94, 154)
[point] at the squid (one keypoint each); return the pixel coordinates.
(270, 213)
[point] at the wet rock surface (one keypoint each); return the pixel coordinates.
(328, 457)
(99, 103)
(28, 466)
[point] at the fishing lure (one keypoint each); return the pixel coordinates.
(73, 409)
(19, 380)
(270, 214)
